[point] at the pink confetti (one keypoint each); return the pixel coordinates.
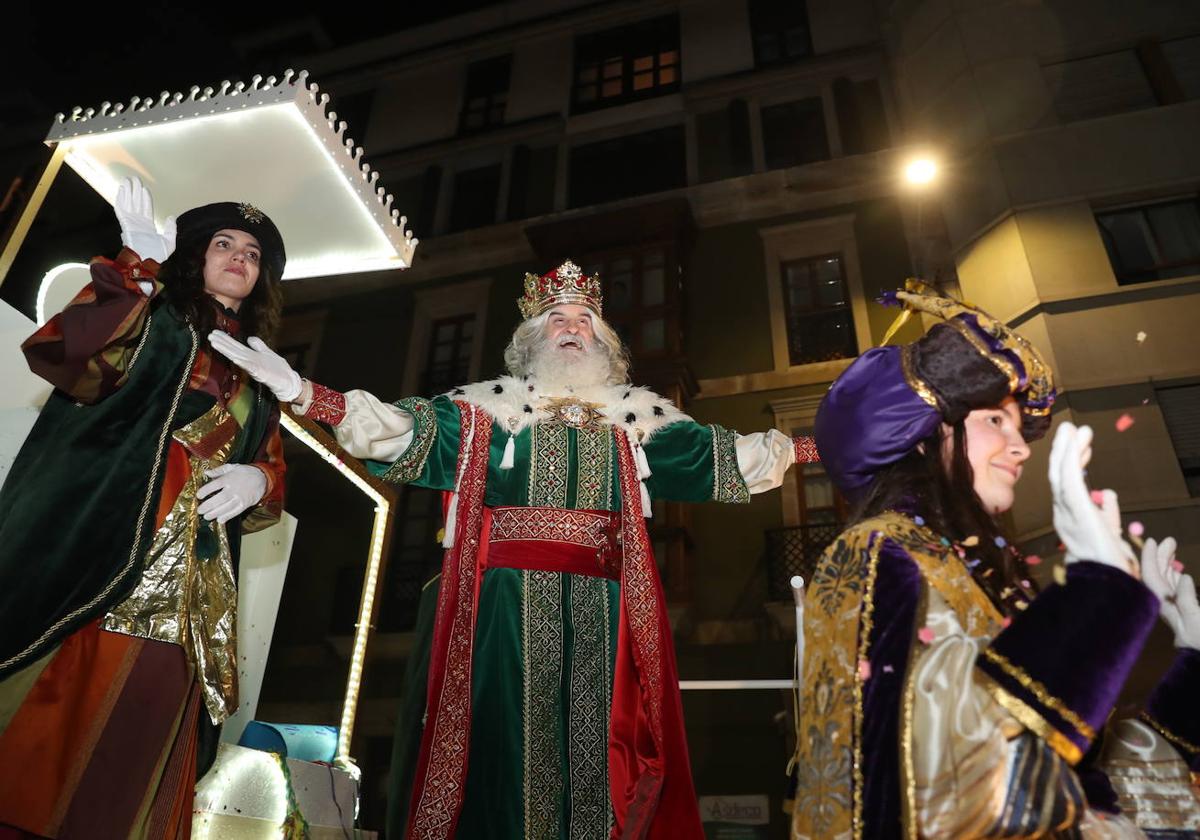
(888, 669)
(864, 670)
(1124, 422)
(1007, 621)
(1176, 565)
(1033, 560)
(1098, 497)
(925, 634)
(1136, 529)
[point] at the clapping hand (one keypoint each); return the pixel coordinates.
(1088, 530)
(1163, 575)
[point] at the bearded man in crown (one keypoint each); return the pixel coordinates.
(544, 700)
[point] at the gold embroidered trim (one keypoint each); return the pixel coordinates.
(864, 638)
(1006, 367)
(908, 770)
(593, 473)
(1041, 693)
(587, 714)
(542, 646)
(151, 493)
(1177, 740)
(728, 484)
(919, 386)
(409, 466)
(549, 445)
(1031, 720)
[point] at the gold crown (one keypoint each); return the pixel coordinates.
(565, 284)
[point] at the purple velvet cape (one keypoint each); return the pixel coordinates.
(1079, 641)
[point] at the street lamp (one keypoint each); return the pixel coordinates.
(921, 171)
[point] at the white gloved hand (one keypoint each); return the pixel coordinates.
(1177, 592)
(234, 488)
(261, 362)
(134, 208)
(1088, 532)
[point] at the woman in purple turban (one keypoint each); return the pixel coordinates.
(942, 696)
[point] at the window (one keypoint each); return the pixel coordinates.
(417, 197)
(486, 94)
(626, 166)
(474, 201)
(641, 297)
(627, 64)
(862, 122)
(780, 30)
(820, 326)
(1153, 242)
(794, 133)
(448, 361)
(1181, 410)
(532, 178)
(723, 142)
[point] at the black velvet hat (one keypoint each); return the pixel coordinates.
(202, 222)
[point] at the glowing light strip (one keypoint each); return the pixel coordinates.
(44, 288)
(362, 627)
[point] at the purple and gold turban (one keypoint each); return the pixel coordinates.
(891, 398)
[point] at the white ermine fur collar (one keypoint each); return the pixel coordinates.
(517, 404)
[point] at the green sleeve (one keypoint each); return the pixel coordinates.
(694, 463)
(432, 457)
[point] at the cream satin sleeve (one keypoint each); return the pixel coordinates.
(763, 459)
(370, 428)
(973, 769)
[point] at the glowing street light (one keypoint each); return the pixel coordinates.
(920, 171)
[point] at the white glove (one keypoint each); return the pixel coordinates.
(233, 489)
(135, 214)
(1174, 589)
(261, 362)
(1088, 532)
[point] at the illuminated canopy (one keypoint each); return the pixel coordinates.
(271, 144)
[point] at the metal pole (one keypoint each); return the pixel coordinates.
(9, 255)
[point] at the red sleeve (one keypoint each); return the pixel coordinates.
(85, 349)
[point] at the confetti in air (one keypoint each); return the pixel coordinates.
(1124, 422)
(971, 541)
(1000, 542)
(1098, 497)
(1033, 560)
(1141, 336)
(1136, 529)
(925, 634)
(864, 670)
(1176, 565)
(1060, 575)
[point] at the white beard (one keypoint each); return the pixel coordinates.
(557, 370)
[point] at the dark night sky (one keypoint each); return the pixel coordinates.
(54, 59)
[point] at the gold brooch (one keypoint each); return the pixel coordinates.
(573, 412)
(250, 213)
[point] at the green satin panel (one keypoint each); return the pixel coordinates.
(437, 473)
(682, 463)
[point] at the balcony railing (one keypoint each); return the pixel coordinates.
(795, 551)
